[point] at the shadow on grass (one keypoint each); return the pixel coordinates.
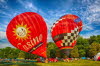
(18, 64)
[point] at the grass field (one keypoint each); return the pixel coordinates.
(74, 63)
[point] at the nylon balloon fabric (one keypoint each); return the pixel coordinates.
(65, 31)
(28, 32)
(75, 18)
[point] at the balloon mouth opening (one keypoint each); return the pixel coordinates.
(66, 51)
(68, 47)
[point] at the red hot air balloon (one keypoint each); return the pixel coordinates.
(28, 32)
(75, 19)
(65, 31)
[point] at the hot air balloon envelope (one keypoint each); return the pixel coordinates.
(97, 57)
(75, 18)
(28, 32)
(65, 33)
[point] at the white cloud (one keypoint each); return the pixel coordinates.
(3, 26)
(88, 34)
(2, 1)
(94, 18)
(57, 13)
(87, 27)
(49, 38)
(3, 45)
(3, 4)
(2, 29)
(5, 13)
(93, 12)
(28, 5)
(2, 35)
(95, 8)
(31, 6)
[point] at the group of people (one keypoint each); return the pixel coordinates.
(47, 60)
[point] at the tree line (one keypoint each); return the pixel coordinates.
(85, 47)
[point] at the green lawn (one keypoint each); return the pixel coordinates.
(74, 63)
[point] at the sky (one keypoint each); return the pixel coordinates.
(51, 10)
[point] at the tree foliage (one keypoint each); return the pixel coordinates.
(84, 48)
(94, 48)
(51, 51)
(21, 54)
(74, 52)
